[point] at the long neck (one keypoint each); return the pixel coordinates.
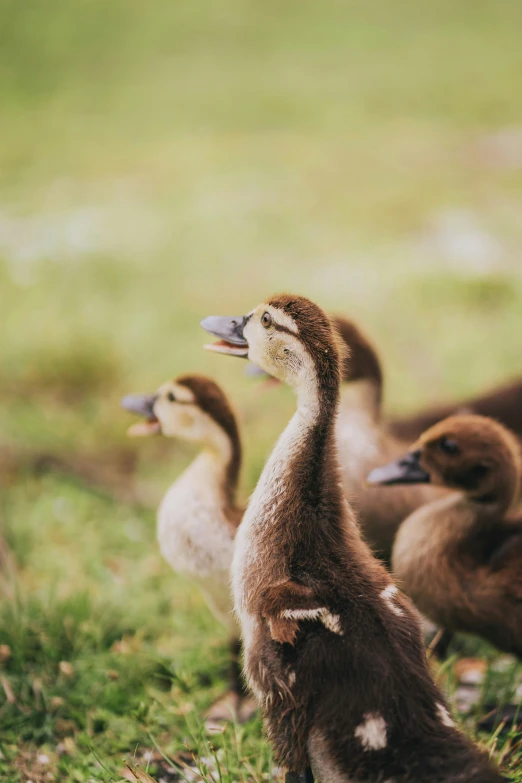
(231, 458)
(365, 368)
(361, 398)
(306, 450)
(316, 459)
(310, 517)
(362, 362)
(217, 467)
(227, 450)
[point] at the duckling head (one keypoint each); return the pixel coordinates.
(287, 336)
(191, 407)
(360, 361)
(470, 453)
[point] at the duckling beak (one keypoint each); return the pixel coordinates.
(406, 470)
(229, 330)
(143, 405)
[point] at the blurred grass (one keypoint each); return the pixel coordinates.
(161, 162)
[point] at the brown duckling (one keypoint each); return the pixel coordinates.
(503, 404)
(333, 651)
(460, 557)
(364, 442)
(199, 515)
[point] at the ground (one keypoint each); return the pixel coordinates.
(164, 161)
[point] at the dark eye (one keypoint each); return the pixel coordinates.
(170, 397)
(266, 320)
(448, 446)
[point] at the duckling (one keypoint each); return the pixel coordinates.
(460, 557)
(199, 515)
(333, 651)
(364, 442)
(503, 404)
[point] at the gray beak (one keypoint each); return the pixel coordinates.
(229, 330)
(406, 470)
(142, 404)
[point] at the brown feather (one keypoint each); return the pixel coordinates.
(460, 558)
(360, 653)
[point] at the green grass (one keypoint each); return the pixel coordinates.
(167, 160)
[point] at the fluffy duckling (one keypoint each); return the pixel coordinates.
(460, 558)
(199, 516)
(364, 442)
(503, 404)
(333, 652)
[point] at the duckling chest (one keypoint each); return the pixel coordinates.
(193, 533)
(425, 563)
(260, 554)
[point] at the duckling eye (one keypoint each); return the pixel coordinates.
(170, 397)
(266, 320)
(448, 446)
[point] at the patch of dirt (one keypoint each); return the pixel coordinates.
(35, 766)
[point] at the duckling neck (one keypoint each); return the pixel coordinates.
(302, 452)
(214, 465)
(310, 431)
(314, 461)
(209, 483)
(293, 480)
(316, 414)
(221, 458)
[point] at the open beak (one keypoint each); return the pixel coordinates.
(143, 405)
(406, 470)
(229, 330)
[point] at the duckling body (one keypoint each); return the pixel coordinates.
(196, 536)
(333, 651)
(461, 578)
(198, 516)
(364, 442)
(460, 557)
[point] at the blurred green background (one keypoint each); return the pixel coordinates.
(162, 161)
